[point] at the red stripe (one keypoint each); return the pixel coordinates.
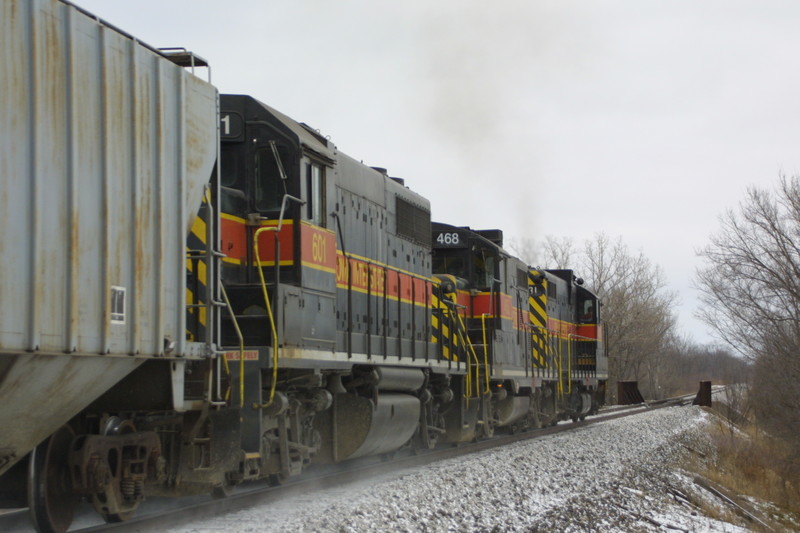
(233, 239)
(377, 278)
(485, 303)
(318, 246)
(588, 331)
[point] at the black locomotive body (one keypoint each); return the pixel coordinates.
(538, 331)
(326, 318)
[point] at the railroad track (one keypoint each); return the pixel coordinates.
(158, 514)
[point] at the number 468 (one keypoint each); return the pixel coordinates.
(447, 238)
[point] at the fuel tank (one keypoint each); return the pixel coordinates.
(363, 427)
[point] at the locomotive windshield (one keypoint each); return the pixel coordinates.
(453, 264)
(587, 311)
(476, 267)
(234, 200)
(484, 270)
(270, 184)
(229, 167)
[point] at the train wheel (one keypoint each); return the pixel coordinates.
(432, 427)
(488, 421)
(114, 426)
(534, 414)
(51, 498)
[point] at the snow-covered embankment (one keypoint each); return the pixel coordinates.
(609, 476)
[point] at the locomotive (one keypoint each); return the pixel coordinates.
(207, 292)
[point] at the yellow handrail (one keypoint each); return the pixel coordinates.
(276, 229)
(569, 364)
(485, 353)
(560, 367)
(276, 346)
(465, 343)
(471, 349)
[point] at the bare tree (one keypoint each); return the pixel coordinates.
(637, 309)
(560, 252)
(750, 288)
(682, 364)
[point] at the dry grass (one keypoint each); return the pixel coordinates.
(753, 464)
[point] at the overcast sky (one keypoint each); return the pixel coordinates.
(641, 119)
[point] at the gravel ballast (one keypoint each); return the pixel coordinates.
(616, 475)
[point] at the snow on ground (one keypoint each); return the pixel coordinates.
(612, 476)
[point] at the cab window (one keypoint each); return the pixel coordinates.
(455, 265)
(229, 168)
(587, 311)
(315, 202)
(484, 271)
(270, 187)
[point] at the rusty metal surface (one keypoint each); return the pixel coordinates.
(105, 147)
(703, 397)
(105, 150)
(112, 469)
(39, 393)
(628, 393)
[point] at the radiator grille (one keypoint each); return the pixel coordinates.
(413, 223)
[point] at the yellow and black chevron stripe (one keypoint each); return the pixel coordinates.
(197, 276)
(537, 314)
(446, 327)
